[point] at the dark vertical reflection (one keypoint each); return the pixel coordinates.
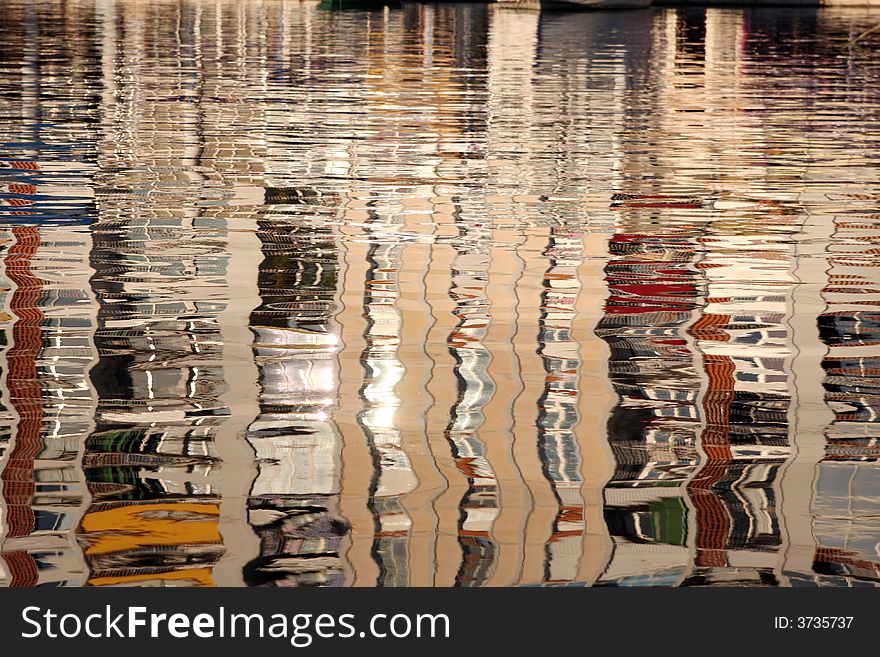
(690, 36)
(293, 504)
(653, 289)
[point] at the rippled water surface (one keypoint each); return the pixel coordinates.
(443, 295)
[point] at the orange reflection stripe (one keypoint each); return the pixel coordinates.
(130, 527)
(201, 576)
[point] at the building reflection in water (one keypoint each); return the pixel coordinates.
(436, 296)
(293, 502)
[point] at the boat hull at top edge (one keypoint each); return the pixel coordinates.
(575, 4)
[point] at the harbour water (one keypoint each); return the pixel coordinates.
(438, 295)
